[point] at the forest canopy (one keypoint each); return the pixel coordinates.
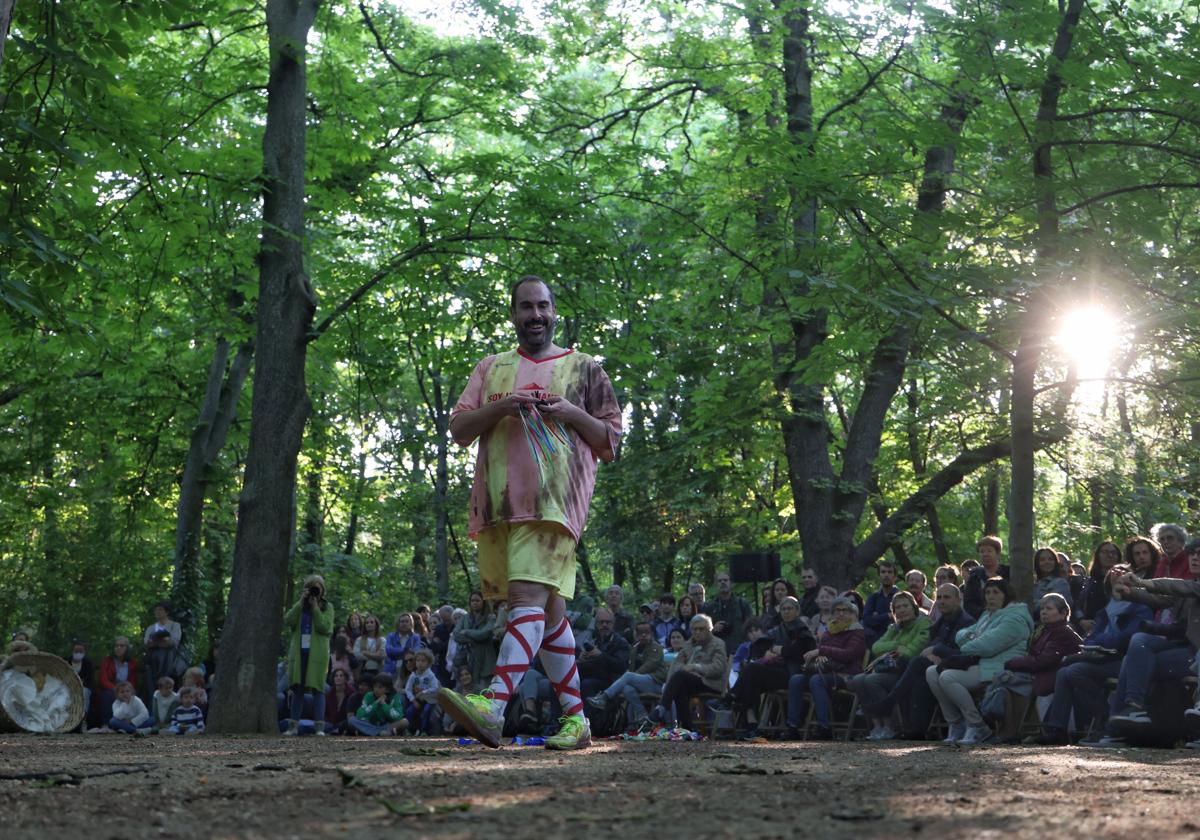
(870, 280)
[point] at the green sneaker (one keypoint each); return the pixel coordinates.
(574, 734)
(474, 714)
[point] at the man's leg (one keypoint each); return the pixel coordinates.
(558, 660)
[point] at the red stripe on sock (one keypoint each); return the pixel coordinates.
(562, 651)
(574, 710)
(562, 628)
(524, 644)
(525, 619)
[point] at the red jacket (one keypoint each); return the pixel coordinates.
(108, 673)
(1049, 644)
(845, 650)
(1174, 567)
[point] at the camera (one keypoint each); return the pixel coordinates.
(589, 647)
(314, 592)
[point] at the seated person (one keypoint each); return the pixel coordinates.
(539, 704)
(699, 667)
(675, 642)
(194, 678)
(646, 674)
(464, 685)
(381, 712)
(604, 658)
(420, 692)
(877, 613)
(914, 585)
(129, 713)
(752, 630)
(187, 719)
(790, 640)
(1079, 684)
(665, 620)
(837, 657)
(907, 636)
(1053, 639)
(1051, 575)
(818, 622)
(942, 574)
(1165, 653)
(1001, 633)
(163, 703)
(341, 701)
(911, 692)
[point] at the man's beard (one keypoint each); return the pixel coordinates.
(536, 339)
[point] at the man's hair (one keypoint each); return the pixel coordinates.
(521, 281)
(701, 618)
(666, 598)
(886, 564)
(992, 540)
(187, 691)
(637, 626)
(953, 586)
(911, 572)
(752, 623)
(384, 680)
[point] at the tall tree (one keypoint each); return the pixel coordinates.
(244, 700)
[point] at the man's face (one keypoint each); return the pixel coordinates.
(808, 579)
(604, 623)
(914, 584)
(724, 584)
(665, 609)
(696, 590)
(612, 597)
(1194, 562)
(1142, 555)
(533, 316)
(644, 634)
(701, 633)
(949, 600)
(887, 576)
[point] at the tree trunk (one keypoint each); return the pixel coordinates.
(991, 501)
(217, 413)
(214, 612)
(1034, 321)
(244, 697)
(6, 12)
(360, 484)
(441, 484)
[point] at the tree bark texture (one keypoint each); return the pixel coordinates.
(1033, 328)
(218, 410)
(6, 13)
(244, 698)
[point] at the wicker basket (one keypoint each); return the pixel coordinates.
(49, 665)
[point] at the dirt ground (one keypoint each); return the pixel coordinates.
(111, 787)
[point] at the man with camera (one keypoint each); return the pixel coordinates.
(309, 624)
(604, 658)
(544, 416)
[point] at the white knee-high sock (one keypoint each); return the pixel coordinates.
(522, 637)
(558, 658)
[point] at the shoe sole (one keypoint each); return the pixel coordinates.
(450, 703)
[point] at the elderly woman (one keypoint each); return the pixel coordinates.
(309, 624)
(790, 639)
(837, 656)
(904, 639)
(1001, 633)
(699, 667)
(1079, 683)
(1053, 640)
(1164, 654)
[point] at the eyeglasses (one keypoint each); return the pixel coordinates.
(843, 609)
(604, 621)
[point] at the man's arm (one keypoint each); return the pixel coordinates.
(467, 425)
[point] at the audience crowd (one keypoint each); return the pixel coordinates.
(1103, 655)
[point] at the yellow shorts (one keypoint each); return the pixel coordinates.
(540, 552)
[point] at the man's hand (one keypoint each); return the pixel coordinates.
(926, 653)
(719, 627)
(560, 409)
(510, 406)
(809, 656)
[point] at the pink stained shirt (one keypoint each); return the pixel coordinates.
(508, 484)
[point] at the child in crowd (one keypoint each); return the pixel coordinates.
(421, 691)
(380, 714)
(129, 713)
(163, 702)
(193, 678)
(746, 651)
(464, 685)
(187, 719)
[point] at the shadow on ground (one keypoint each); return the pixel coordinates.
(101, 787)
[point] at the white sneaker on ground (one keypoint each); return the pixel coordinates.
(958, 731)
(976, 735)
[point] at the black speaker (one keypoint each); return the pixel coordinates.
(754, 567)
